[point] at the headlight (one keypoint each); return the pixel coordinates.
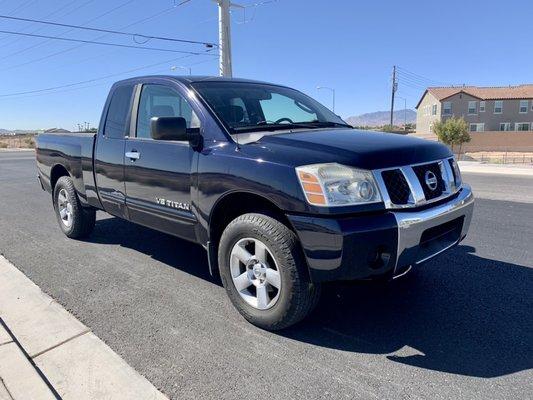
(333, 184)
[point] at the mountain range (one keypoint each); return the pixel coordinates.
(380, 118)
(377, 118)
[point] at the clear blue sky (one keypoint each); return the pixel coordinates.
(346, 44)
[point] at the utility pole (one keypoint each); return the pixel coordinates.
(224, 37)
(394, 88)
(404, 112)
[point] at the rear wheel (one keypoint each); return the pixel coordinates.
(264, 273)
(74, 220)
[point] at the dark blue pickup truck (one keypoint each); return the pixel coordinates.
(280, 191)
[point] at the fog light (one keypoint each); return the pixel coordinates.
(381, 258)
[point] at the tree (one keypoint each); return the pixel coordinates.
(453, 131)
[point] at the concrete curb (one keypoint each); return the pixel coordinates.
(46, 353)
(16, 149)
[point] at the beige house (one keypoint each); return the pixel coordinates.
(485, 109)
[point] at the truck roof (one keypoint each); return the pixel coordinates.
(191, 79)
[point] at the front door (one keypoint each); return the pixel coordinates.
(158, 173)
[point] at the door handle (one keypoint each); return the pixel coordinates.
(133, 155)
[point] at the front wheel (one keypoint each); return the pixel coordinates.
(74, 220)
(264, 273)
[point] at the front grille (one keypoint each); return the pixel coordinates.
(396, 185)
(451, 161)
(420, 171)
(406, 186)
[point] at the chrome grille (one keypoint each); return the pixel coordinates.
(406, 186)
(397, 186)
(420, 171)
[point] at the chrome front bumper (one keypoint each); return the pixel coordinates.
(414, 244)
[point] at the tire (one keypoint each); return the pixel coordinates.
(75, 221)
(282, 306)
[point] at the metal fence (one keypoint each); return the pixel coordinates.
(498, 157)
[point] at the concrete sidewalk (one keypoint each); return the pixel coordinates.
(503, 169)
(46, 353)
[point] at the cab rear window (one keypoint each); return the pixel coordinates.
(117, 115)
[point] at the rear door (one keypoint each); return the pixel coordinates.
(158, 173)
(109, 152)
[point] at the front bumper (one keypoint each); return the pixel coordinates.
(386, 244)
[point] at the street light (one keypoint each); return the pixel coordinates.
(404, 112)
(332, 91)
(175, 67)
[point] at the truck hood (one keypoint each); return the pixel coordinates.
(368, 150)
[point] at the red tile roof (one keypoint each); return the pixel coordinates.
(483, 93)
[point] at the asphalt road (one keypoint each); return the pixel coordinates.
(460, 326)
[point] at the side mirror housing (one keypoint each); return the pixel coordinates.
(168, 128)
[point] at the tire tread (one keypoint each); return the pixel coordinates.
(84, 218)
(304, 295)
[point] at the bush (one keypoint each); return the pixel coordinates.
(3, 145)
(29, 142)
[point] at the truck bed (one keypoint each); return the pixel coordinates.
(71, 151)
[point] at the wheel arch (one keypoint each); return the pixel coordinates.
(231, 206)
(57, 172)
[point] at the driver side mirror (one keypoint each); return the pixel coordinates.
(174, 128)
(168, 128)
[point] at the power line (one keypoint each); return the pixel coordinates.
(403, 79)
(98, 43)
(69, 30)
(98, 37)
(99, 78)
(415, 80)
(70, 89)
(422, 78)
(134, 35)
(46, 16)
(158, 13)
(21, 6)
(63, 15)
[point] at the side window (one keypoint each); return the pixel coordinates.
(162, 101)
(117, 114)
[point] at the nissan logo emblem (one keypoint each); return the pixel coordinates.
(431, 180)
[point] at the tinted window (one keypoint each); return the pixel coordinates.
(280, 106)
(246, 106)
(117, 115)
(162, 101)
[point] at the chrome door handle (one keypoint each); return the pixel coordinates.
(133, 155)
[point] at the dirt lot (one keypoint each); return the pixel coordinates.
(17, 142)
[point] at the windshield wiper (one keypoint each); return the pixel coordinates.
(271, 126)
(328, 124)
(317, 125)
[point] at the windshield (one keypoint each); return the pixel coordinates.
(249, 107)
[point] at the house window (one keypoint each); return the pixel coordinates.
(434, 109)
(524, 104)
(522, 126)
(498, 107)
(472, 109)
(505, 126)
(477, 127)
(481, 106)
(447, 108)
